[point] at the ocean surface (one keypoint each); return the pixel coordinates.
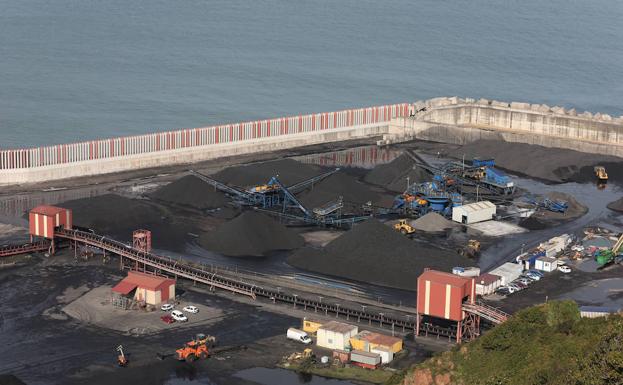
(83, 69)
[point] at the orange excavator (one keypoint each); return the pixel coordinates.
(121, 358)
(196, 349)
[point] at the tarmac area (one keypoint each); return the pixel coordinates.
(45, 348)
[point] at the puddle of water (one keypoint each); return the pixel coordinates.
(266, 376)
(605, 292)
(366, 157)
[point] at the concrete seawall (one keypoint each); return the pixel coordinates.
(449, 120)
(455, 120)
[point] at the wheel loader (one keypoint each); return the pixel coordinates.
(404, 227)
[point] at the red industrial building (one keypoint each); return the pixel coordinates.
(443, 295)
(43, 220)
(148, 288)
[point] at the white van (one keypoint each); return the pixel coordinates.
(298, 335)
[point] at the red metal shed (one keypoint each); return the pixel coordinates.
(150, 288)
(43, 220)
(442, 294)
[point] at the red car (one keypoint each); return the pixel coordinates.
(167, 319)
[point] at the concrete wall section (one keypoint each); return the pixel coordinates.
(185, 155)
(454, 120)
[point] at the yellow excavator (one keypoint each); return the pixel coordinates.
(404, 227)
(601, 174)
(470, 250)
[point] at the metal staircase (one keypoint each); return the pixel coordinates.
(487, 312)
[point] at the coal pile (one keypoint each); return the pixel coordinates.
(544, 218)
(117, 217)
(375, 253)
(433, 223)
(192, 192)
(393, 176)
(9, 379)
(289, 172)
(546, 163)
(251, 234)
(616, 205)
(346, 186)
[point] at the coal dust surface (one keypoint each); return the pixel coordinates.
(393, 176)
(375, 253)
(616, 205)
(250, 234)
(117, 216)
(288, 171)
(191, 191)
(546, 163)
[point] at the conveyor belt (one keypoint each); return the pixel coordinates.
(402, 320)
(8, 250)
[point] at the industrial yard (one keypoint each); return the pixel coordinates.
(360, 238)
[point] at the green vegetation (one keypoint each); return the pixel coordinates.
(545, 344)
(343, 373)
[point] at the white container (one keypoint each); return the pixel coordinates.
(386, 354)
(466, 271)
(508, 272)
(298, 335)
(324, 359)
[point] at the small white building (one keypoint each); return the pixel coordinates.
(386, 354)
(508, 272)
(546, 264)
(335, 335)
(487, 283)
(474, 212)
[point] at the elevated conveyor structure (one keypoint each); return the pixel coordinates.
(395, 319)
(9, 250)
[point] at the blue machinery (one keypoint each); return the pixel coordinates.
(557, 206)
(272, 194)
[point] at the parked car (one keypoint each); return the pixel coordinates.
(564, 269)
(536, 272)
(521, 285)
(535, 277)
(179, 316)
(166, 307)
(515, 286)
(503, 290)
(191, 309)
(529, 276)
(167, 319)
(525, 280)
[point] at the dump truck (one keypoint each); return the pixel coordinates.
(196, 348)
(404, 227)
(600, 173)
(470, 250)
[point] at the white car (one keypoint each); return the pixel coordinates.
(179, 316)
(564, 269)
(191, 309)
(166, 307)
